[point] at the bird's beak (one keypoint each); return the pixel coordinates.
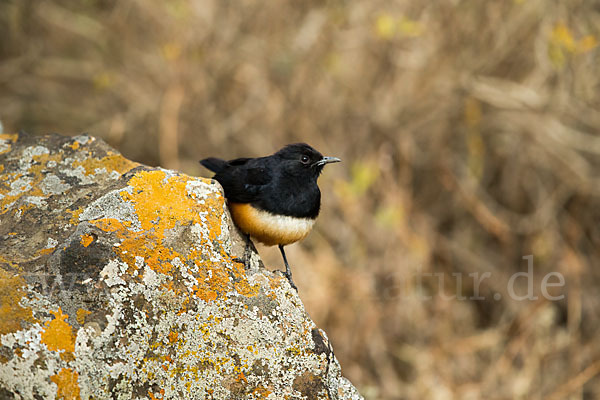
(328, 160)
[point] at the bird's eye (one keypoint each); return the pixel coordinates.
(304, 160)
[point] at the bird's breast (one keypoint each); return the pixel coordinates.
(269, 228)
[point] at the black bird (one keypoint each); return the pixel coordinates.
(274, 199)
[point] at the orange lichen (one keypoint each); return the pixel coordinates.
(212, 279)
(158, 256)
(111, 224)
(162, 203)
(242, 286)
(12, 137)
(81, 314)
(11, 312)
(37, 171)
(9, 136)
(241, 377)
(74, 220)
(261, 392)
(86, 240)
(32, 188)
(46, 251)
(173, 337)
(66, 380)
(156, 196)
(26, 207)
(112, 162)
(204, 294)
(58, 334)
(5, 182)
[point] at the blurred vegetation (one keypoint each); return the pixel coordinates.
(470, 137)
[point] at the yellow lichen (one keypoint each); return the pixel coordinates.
(66, 380)
(11, 312)
(58, 334)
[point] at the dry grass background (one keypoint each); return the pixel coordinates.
(470, 137)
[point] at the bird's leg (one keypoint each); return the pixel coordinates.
(288, 270)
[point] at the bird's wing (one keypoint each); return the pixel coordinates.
(239, 161)
(217, 165)
(243, 180)
(257, 176)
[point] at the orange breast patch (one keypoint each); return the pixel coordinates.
(268, 228)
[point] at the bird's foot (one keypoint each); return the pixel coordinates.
(290, 280)
(292, 284)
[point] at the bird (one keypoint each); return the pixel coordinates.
(274, 199)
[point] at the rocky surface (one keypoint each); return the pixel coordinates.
(117, 281)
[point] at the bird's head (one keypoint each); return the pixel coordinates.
(300, 159)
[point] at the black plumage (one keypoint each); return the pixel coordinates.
(275, 198)
(281, 184)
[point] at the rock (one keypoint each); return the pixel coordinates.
(117, 280)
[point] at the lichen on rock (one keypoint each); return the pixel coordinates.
(119, 280)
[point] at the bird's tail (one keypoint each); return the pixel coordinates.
(214, 164)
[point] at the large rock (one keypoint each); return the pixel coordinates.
(118, 281)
